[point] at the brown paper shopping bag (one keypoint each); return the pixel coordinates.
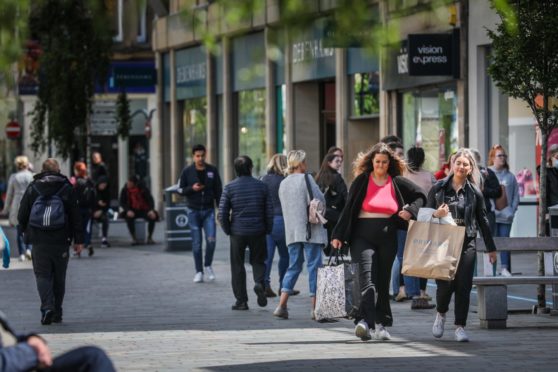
(432, 250)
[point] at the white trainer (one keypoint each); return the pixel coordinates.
(438, 327)
(198, 278)
(362, 331)
(22, 258)
(28, 254)
(460, 335)
(381, 333)
(506, 273)
(210, 274)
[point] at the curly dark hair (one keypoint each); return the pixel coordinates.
(363, 162)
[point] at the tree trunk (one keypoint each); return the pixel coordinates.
(541, 295)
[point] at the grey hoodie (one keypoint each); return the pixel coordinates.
(507, 179)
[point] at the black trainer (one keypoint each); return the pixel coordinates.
(240, 306)
(260, 292)
(46, 319)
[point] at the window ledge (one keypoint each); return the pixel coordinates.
(365, 117)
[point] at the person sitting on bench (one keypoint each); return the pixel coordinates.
(137, 202)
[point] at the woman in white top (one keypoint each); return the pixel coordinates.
(17, 184)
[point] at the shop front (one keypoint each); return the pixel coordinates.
(420, 77)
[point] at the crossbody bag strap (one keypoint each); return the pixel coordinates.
(308, 225)
(308, 186)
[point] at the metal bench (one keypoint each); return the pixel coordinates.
(492, 291)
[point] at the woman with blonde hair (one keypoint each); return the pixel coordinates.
(301, 243)
(276, 171)
(380, 201)
(17, 184)
(504, 212)
(460, 195)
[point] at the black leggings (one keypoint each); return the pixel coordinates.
(461, 285)
(374, 246)
(103, 219)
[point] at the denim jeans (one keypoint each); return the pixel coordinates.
(86, 215)
(277, 239)
(199, 219)
(412, 284)
(22, 247)
(297, 251)
(503, 230)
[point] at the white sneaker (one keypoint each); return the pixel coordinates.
(438, 327)
(210, 274)
(362, 331)
(505, 273)
(22, 258)
(460, 335)
(28, 254)
(198, 278)
(381, 333)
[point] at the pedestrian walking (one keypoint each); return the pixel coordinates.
(201, 184)
(137, 202)
(415, 288)
(276, 170)
(30, 352)
(17, 184)
(98, 167)
(380, 201)
(334, 150)
(246, 215)
(301, 243)
(85, 194)
(551, 182)
(333, 187)
(50, 220)
(505, 211)
(101, 208)
(459, 195)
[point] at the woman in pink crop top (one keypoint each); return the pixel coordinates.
(380, 201)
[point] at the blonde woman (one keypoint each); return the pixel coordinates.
(276, 171)
(380, 201)
(293, 195)
(17, 184)
(459, 195)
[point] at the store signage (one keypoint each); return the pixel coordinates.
(403, 59)
(190, 74)
(309, 50)
(134, 76)
(432, 54)
(103, 118)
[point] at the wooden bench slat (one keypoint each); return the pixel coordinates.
(521, 244)
(502, 280)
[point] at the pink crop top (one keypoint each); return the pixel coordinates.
(380, 199)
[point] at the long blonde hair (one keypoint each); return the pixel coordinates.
(277, 165)
(474, 177)
(363, 162)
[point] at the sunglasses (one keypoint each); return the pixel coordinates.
(502, 156)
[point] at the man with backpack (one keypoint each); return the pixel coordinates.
(50, 220)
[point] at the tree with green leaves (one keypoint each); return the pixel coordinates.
(524, 65)
(123, 116)
(13, 34)
(76, 54)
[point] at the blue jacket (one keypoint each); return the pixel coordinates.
(273, 180)
(245, 207)
(19, 357)
(206, 198)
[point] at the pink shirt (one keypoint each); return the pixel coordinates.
(380, 199)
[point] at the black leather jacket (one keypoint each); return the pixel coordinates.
(475, 210)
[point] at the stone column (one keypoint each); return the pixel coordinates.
(342, 105)
(228, 120)
(270, 104)
(211, 114)
(176, 158)
(289, 96)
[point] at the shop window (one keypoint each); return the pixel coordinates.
(366, 94)
(251, 128)
(429, 120)
(194, 119)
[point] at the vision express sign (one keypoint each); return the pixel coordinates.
(434, 54)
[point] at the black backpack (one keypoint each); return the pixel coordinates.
(85, 193)
(47, 211)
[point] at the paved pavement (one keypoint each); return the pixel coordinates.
(140, 304)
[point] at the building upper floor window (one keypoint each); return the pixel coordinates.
(366, 87)
(129, 24)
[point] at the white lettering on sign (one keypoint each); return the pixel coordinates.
(429, 54)
(402, 64)
(188, 73)
(310, 50)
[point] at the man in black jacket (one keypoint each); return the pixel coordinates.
(137, 202)
(26, 352)
(51, 244)
(201, 184)
(246, 214)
